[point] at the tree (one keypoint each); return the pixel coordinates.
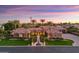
(42, 20)
(49, 23)
(25, 25)
(33, 22)
(1, 31)
(16, 23)
(72, 29)
(38, 25)
(8, 26)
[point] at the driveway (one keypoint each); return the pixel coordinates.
(72, 37)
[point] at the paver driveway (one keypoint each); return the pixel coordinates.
(72, 37)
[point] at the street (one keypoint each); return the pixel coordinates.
(48, 49)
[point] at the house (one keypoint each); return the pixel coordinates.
(76, 26)
(20, 32)
(51, 32)
(61, 28)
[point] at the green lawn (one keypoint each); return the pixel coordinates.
(59, 42)
(6, 42)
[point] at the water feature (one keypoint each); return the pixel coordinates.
(38, 42)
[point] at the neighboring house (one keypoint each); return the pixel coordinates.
(51, 32)
(76, 26)
(61, 29)
(67, 25)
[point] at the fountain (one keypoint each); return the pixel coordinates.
(38, 42)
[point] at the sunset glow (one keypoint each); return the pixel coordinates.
(54, 13)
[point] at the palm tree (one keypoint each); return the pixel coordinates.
(42, 20)
(33, 21)
(16, 23)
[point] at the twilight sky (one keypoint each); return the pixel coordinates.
(55, 13)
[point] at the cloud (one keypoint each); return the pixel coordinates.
(23, 12)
